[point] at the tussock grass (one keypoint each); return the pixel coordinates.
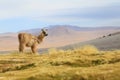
(84, 63)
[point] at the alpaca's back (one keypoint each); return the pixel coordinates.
(25, 38)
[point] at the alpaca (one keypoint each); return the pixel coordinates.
(28, 40)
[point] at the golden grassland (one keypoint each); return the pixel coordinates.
(84, 63)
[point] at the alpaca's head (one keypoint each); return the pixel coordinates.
(44, 32)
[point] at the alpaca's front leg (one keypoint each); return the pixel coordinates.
(34, 49)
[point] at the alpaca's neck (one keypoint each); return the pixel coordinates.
(40, 38)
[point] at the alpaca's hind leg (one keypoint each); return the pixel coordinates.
(21, 48)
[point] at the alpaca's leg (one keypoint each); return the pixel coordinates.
(21, 47)
(33, 48)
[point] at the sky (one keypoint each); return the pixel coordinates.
(16, 15)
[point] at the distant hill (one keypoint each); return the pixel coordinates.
(107, 42)
(58, 35)
(59, 29)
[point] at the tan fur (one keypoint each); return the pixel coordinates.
(28, 40)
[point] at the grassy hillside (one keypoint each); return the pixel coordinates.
(84, 63)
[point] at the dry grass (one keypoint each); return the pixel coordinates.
(85, 63)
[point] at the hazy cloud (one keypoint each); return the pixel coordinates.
(35, 13)
(107, 12)
(31, 8)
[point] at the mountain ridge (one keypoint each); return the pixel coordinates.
(58, 36)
